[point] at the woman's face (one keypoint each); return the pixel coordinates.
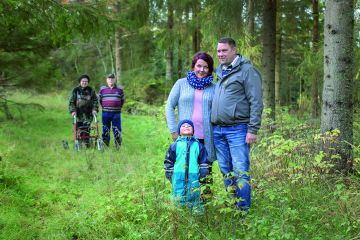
(84, 82)
(201, 68)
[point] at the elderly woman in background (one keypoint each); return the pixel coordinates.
(83, 103)
(192, 96)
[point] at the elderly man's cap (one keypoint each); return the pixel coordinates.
(111, 75)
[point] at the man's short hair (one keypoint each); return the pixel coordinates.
(228, 40)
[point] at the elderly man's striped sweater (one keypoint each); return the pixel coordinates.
(111, 99)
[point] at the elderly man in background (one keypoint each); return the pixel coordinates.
(111, 98)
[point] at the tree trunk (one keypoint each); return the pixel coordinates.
(112, 60)
(315, 107)
(3, 99)
(337, 106)
(76, 64)
(240, 22)
(250, 20)
(102, 59)
(180, 62)
(250, 34)
(188, 49)
(288, 89)
(196, 40)
(118, 55)
(278, 70)
(268, 56)
(8, 115)
(118, 34)
(315, 13)
(302, 87)
(169, 52)
(278, 57)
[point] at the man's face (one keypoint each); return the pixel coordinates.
(110, 82)
(84, 82)
(226, 53)
(186, 130)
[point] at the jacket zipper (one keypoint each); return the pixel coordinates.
(187, 159)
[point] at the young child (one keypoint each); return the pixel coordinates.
(186, 163)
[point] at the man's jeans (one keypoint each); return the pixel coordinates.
(108, 119)
(233, 156)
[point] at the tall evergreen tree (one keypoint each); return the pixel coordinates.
(250, 19)
(196, 8)
(268, 57)
(278, 55)
(170, 46)
(315, 107)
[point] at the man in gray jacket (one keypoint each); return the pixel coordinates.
(236, 118)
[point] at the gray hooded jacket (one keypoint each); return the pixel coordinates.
(238, 97)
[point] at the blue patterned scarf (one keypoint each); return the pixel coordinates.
(198, 83)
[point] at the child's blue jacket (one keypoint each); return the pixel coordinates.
(186, 163)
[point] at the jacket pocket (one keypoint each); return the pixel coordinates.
(241, 111)
(228, 113)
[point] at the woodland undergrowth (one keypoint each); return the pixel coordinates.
(48, 192)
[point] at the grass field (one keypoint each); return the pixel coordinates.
(47, 192)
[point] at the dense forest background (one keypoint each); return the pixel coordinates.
(45, 45)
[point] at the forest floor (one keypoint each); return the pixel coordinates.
(47, 192)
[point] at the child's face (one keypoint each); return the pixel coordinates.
(186, 130)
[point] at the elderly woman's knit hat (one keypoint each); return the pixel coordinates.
(188, 122)
(84, 76)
